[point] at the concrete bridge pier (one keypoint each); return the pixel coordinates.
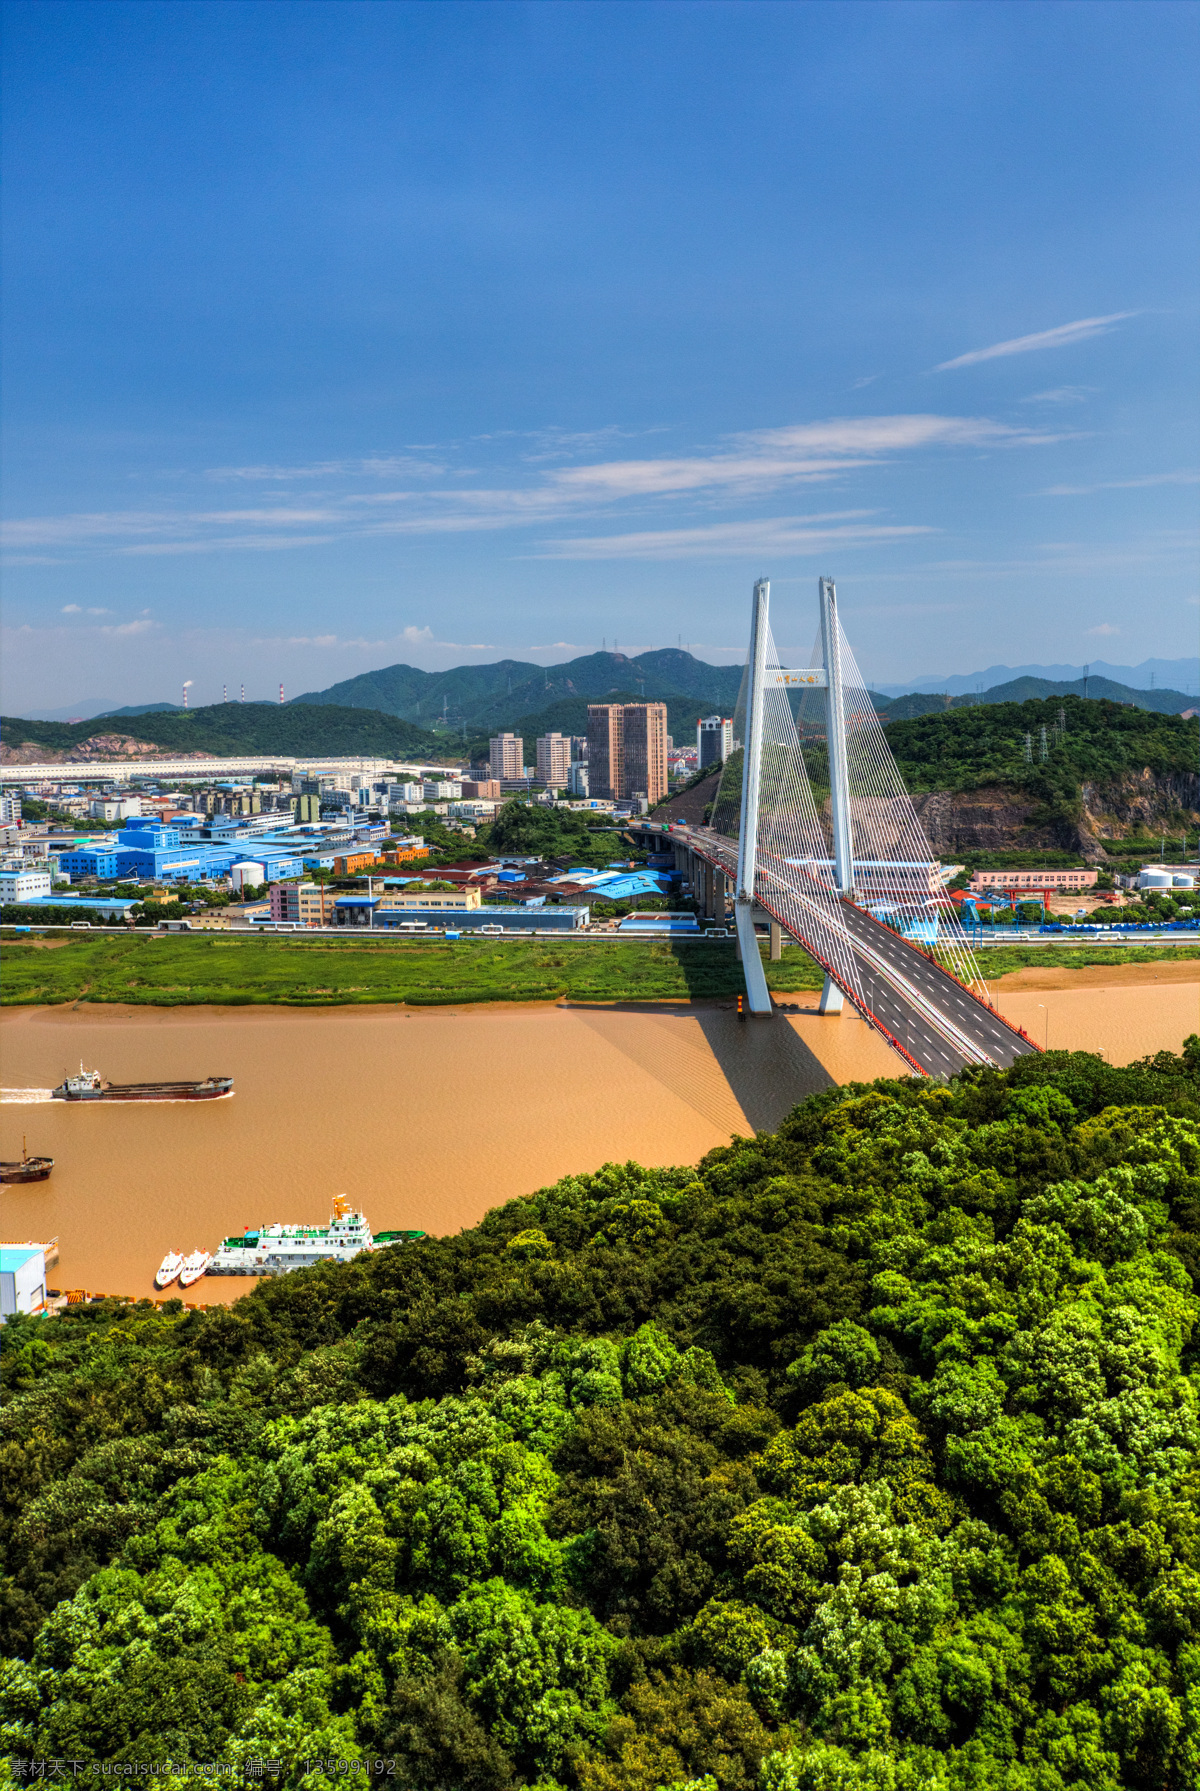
(776, 942)
(831, 997)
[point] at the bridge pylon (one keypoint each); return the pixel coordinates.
(757, 994)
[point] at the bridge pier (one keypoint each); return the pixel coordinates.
(832, 999)
(776, 942)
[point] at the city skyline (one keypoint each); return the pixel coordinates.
(440, 337)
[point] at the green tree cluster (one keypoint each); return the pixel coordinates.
(861, 1457)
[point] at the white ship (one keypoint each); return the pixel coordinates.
(278, 1249)
(195, 1266)
(168, 1269)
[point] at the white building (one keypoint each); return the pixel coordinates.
(577, 780)
(714, 740)
(25, 885)
(441, 790)
(553, 760)
(398, 793)
(10, 810)
(22, 1279)
(114, 808)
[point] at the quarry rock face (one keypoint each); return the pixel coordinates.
(1004, 820)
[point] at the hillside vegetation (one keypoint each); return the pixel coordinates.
(860, 1457)
(963, 749)
(233, 729)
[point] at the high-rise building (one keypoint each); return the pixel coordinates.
(627, 750)
(644, 767)
(605, 755)
(714, 741)
(553, 760)
(507, 755)
(577, 779)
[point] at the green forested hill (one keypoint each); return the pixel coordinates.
(862, 1457)
(963, 749)
(241, 728)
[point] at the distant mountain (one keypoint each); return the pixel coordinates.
(1023, 690)
(235, 729)
(491, 697)
(1175, 674)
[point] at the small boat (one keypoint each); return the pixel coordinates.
(195, 1266)
(168, 1269)
(29, 1169)
(90, 1085)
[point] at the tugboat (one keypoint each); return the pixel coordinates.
(90, 1085)
(29, 1169)
(195, 1266)
(168, 1269)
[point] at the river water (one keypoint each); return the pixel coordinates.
(425, 1118)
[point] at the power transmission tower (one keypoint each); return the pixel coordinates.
(1029, 749)
(1044, 745)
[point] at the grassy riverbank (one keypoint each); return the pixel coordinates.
(178, 971)
(999, 960)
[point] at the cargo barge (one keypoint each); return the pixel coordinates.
(90, 1085)
(28, 1169)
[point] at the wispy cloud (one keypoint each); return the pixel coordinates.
(1064, 336)
(1142, 483)
(777, 534)
(378, 466)
(1104, 628)
(1061, 395)
(742, 469)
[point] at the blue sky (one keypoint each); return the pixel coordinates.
(338, 334)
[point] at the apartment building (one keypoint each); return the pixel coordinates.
(304, 904)
(507, 753)
(605, 739)
(553, 760)
(627, 750)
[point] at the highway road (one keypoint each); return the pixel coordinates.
(938, 1023)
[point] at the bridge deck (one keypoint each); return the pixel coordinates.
(926, 1015)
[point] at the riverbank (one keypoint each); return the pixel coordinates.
(179, 970)
(182, 970)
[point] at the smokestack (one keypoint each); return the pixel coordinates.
(281, 693)
(186, 682)
(243, 693)
(224, 693)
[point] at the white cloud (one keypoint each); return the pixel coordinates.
(1061, 395)
(779, 534)
(1141, 483)
(1064, 336)
(1104, 628)
(72, 609)
(751, 465)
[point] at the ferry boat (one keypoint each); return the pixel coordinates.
(195, 1266)
(278, 1249)
(90, 1085)
(168, 1269)
(28, 1169)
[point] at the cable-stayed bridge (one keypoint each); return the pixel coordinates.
(818, 837)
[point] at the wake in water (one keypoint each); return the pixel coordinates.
(25, 1097)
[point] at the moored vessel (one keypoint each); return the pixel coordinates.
(278, 1249)
(168, 1269)
(195, 1266)
(90, 1085)
(28, 1169)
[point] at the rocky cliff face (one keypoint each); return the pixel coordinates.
(1003, 820)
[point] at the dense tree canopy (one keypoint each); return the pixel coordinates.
(864, 1455)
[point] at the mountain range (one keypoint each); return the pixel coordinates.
(1152, 674)
(473, 701)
